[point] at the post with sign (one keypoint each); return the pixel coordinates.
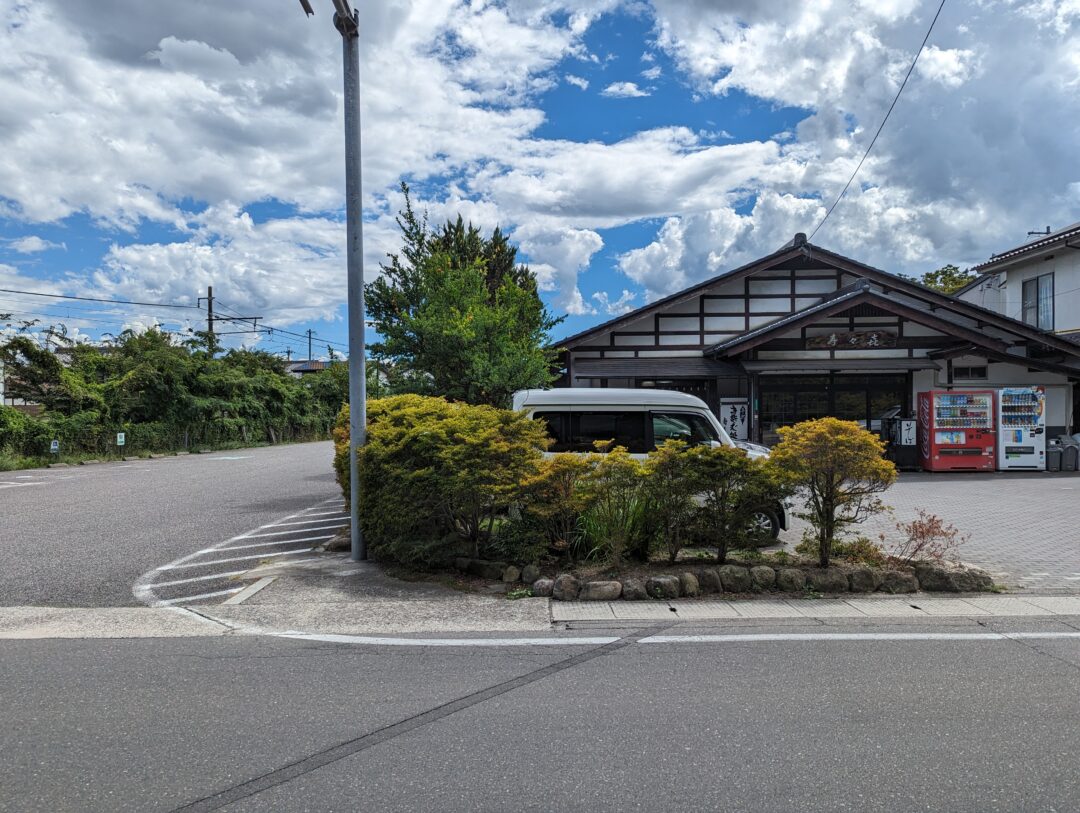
(54, 448)
(121, 439)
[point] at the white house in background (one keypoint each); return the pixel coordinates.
(1037, 283)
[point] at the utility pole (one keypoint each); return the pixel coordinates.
(309, 344)
(346, 21)
(209, 299)
(288, 354)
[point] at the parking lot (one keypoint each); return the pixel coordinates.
(1023, 526)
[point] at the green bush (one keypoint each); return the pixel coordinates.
(434, 473)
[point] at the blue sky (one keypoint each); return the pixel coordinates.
(630, 148)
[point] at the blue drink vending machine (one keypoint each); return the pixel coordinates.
(1022, 429)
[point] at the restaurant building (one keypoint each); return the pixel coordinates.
(806, 333)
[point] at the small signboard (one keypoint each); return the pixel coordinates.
(54, 447)
(852, 340)
(121, 439)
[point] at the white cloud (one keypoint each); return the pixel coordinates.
(576, 81)
(652, 73)
(32, 244)
(952, 67)
(624, 90)
(624, 304)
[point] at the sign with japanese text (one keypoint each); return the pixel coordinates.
(852, 341)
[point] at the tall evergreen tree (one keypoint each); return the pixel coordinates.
(458, 315)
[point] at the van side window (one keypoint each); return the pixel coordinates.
(685, 426)
(558, 428)
(625, 428)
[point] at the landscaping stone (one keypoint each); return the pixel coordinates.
(662, 586)
(935, 578)
(462, 563)
(511, 574)
(530, 573)
(827, 579)
(762, 577)
(982, 579)
(861, 580)
(898, 581)
(634, 590)
(709, 580)
(600, 591)
(734, 578)
(791, 580)
(688, 585)
(542, 588)
(566, 587)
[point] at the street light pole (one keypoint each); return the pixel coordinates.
(347, 23)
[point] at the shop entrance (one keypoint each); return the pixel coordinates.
(786, 400)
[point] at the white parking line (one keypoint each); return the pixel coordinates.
(235, 559)
(318, 513)
(286, 533)
(215, 594)
(302, 522)
(211, 577)
(270, 544)
(18, 485)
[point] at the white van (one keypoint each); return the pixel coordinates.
(638, 420)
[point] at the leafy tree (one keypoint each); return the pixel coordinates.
(554, 497)
(839, 468)
(670, 486)
(732, 487)
(948, 279)
(458, 316)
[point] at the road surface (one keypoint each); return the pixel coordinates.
(82, 536)
(257, 723)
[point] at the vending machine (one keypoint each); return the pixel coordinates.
(957, 430)
(1022, 429)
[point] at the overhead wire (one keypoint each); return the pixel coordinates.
(881, 127)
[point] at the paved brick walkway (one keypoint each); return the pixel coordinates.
(1024, 527)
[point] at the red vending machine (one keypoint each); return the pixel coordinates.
(957, 431)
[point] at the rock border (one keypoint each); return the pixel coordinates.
(736, 578)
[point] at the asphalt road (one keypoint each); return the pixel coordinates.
(81, 536)
(252, 724)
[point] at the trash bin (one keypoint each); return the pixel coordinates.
(1070, 458)
(1053, 458)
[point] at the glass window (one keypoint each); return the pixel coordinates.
(686, 426)
(1046, 302)
(558, 425)
(1038, 301)
(1030, 304)
(970, 373)
(624, 428)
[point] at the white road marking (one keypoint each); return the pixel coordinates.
(302, 522)
(851, 636)
(250, 590)
(231, 457)
(215, 594)
(367, 639)
(286, 533)
(235, 559)
(19, 485)
(270, 544)
(211, 577)
(319, 513)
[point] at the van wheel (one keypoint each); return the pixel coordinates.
(764, 527)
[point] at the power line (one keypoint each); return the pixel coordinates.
(96, 299)
(882, 126)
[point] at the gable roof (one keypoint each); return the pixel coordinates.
(858, 293)
(1044, 242)
(800, 248)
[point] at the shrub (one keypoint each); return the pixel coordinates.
(861, 550)
(732, 487)
(613, 490)
(927, 537)
(838, 467)
(434, 472)
(670, 486)
(554, 499)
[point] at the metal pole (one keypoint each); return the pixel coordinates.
(355, 262)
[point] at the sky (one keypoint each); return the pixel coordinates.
(630, 149)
